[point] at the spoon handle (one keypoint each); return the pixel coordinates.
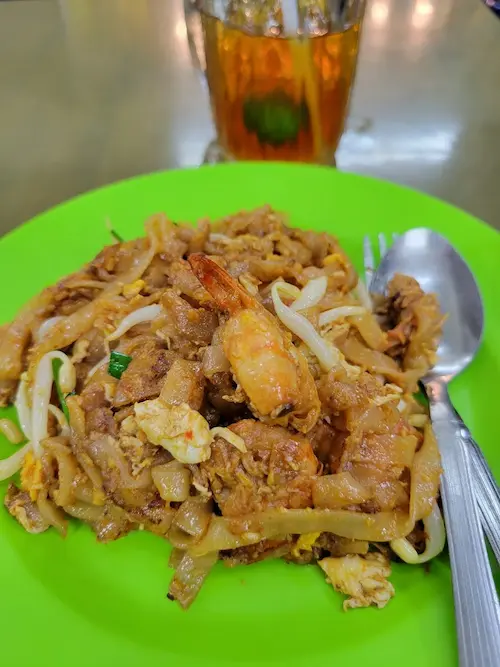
(487, 492)
(477, 609)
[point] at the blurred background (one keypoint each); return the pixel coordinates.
(98, 90)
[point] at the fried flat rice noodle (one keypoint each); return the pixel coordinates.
(106, 453)
(339, 491)
(68, 330)
(370, 331)
(194, 516)
(52, 514)
(189, 577)
(57, 452)
(79, 440)
(373, 360)
(15, 337)
(231, 388)
(190, 522)
(379, 527)
(172, 480)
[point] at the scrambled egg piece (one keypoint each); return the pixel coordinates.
(305, 543)
(389, 392)
(31, 475)
(418, 421)
(80, 351)
(133, 289)
(178, 428)
(363, 578)
(129, 425)
(335, 257)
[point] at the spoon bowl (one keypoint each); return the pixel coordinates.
(468, 484)
(439, 268)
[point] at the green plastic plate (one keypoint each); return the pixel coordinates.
(75, 602)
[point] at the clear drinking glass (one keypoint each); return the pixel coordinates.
(279, 73)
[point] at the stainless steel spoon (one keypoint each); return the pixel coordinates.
(467, 484)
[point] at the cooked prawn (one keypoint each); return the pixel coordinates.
(269, 368)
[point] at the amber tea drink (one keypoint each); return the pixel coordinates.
(280, 75)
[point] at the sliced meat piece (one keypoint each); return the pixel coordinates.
(328, 444)
(99, 418)
(277, 470)
(183, 322)
(101, 421)
(223, 395)
(145, 374)
(93, 397)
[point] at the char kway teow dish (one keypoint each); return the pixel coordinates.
(233, 388)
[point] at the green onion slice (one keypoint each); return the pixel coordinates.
(118, 363)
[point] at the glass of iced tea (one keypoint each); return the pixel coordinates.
(279, 72)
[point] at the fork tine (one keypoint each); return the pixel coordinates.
(368, 260)
(382, 245)
(369, 256)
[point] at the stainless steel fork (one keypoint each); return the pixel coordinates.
(369, 261)
(429, 258)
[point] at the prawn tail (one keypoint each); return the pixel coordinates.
(224, 289)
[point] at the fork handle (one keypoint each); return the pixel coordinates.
(477, 610)
(485, 488)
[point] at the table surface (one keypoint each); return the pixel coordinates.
(94, 91)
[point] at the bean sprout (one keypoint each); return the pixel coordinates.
(10, 431)
(327, 355)
(22, 406)
(11, 465)
(138, 316)
(41, 393)
(312, 294)
(231, 437)
(434, 543)
(330, 316)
